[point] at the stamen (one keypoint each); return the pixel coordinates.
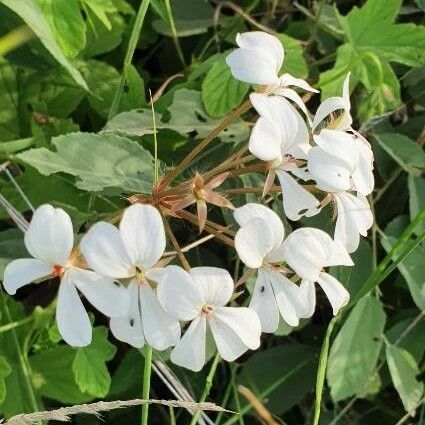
(207, 309)
(57, 270)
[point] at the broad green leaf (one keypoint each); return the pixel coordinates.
(66, 23)
(356, 348)
(220, 91)
(264, 368)
(408, 154)
(5, 371)
(101, 8)
(412, 268)
(294, 62)
(90, 371)
(134, 123)
(31, 14)
(9, 101)
(98, 160)
(416, 197)
(53, 375)
(103, 79)
(404, 370)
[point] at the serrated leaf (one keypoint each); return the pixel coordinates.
(356, 348)
(404, 370)
(408, 154)
(31, 14)
(89, 366)
(220, 91)
(66, 23)
(98, 160)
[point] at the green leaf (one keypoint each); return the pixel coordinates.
(9, 116)
(66, 23)
(404, 369)
(416, 197)
(220, 91)
(11, 247)
(31, 14)
(99, 161)
(101, 8)
(412, 268)
(5, 371)
(91, 374)
(264, 368)
(408, 154)
(294, 62)
(356, 348)
(53, 375)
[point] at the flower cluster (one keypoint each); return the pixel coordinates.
(122, 271)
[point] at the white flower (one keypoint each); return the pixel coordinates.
(258, 60)
(258, 243)
(200, 297)
(354, 218)
(131, 253)
(341, 162)
(307, 251)
(50, 239)
(281, 137)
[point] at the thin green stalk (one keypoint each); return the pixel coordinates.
(15, 38)
(132, 43)
(16, 324)
(172, 416)
(22, 358)
(224, 401)
(237, 399)
(268, 391)
(174, 34)
(321, 372)
(155, 143)
(207, 388)
(146, 383)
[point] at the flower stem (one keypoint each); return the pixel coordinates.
(168, 178)
(207, 388)
(146, 383)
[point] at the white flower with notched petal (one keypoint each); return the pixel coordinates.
(281, 137)
(200, 297)
(50, 240)
(341, 163)
(258, 243)
(307, 251)
(258, 60)
(131, 253)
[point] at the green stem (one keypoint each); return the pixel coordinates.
(16, 324)
(134, 37)
(146, 383)
(14, 39)
(207, 388)
(174, 34)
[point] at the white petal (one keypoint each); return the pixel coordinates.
(253, 241)
(109, 298)
(289, 80)
(72, 318)
(363, 178)
(339, 144)
(216, 283)
(338, 255)
(265, 141)
(263, 302)
(346, 94)
(128, 328)
(264, 43)
(354, 219)
(306, 251)
(337, 295)
(296, 200)
(252, 67)
(21, 272)
(295, 97)
(160, 329)
(308, 298)
(50, 237)
(104, 251)
(287, 298)
(179, 294)
(252, 210)
(276, 255)
(328, 106)
(143, 234)
(330, 173)
(190, 350)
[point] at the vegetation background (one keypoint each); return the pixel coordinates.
(70, 66)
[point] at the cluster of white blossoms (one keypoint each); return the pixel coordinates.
(121, 271)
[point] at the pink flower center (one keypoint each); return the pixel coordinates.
(57, 270)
